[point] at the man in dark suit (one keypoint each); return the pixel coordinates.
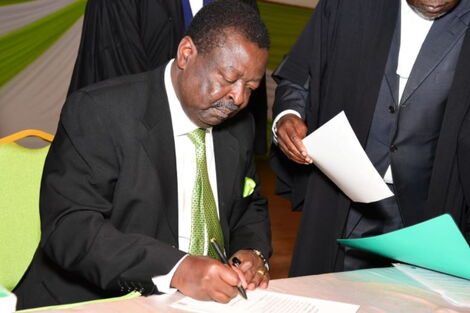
(122, 37)
(400, 71)
(125, 194)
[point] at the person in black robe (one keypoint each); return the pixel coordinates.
(346, 59)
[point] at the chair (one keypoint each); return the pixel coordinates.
(20, 232)
(20, 177)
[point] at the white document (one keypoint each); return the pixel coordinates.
(336, 151)
(263, 301)
(454, 289)
(7, 301)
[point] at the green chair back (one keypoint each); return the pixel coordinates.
(20, 177)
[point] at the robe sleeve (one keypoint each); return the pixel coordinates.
(122, 37)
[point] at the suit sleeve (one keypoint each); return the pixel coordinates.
(79, 230)
(299, 78)
(301, 70)
(290, 96)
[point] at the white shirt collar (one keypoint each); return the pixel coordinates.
(196, 5)
(414, 30)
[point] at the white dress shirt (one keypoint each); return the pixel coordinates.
(196, 5)
(185, 172)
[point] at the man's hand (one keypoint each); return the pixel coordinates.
(290, 131)
(252, 267)
(204, 278)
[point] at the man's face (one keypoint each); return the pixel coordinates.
(432, 9)
(214, 86)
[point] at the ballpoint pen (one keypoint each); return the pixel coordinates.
(222, 257)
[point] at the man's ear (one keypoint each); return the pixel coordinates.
(186, 51)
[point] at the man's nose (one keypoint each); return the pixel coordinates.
(238, 94)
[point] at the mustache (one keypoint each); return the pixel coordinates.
(225, 104)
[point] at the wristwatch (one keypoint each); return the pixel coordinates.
(261, 256)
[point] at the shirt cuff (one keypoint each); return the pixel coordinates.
(163, 282)
(278, 117)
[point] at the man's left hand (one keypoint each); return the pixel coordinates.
(252, 266)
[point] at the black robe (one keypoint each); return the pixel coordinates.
(340, 57)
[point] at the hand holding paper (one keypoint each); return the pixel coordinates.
(289, 132)
(339, 155)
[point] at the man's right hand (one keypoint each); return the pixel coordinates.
(291, 129)
(204, 278)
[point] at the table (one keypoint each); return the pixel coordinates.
(381, 290)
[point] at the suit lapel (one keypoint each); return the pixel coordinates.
(443, 35)
(226, 163)
(391, 76)
(392, 82)
(160, 147)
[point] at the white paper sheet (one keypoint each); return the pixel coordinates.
(7, 301)
(263, 301)
(453, 289)
(336, 151)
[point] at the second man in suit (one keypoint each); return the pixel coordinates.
(400, 71)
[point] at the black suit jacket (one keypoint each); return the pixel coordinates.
(109, 209)
(340, 57)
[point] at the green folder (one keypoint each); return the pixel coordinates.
(436, 244)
